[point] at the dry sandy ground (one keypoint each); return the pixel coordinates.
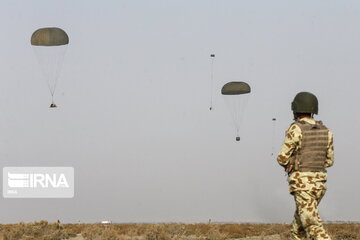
(78, 237)
(272, 237)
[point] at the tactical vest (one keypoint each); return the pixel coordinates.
(312, 153)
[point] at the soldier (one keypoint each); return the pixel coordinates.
(306, 153)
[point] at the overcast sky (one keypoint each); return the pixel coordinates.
(133, 97)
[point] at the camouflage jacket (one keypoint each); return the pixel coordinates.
(303, 180)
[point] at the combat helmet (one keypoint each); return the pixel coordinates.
(305, 102)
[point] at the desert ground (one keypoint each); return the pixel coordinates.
(167, 231)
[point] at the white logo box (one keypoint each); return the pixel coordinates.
(38, 182)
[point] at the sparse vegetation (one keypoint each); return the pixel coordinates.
(171, 231)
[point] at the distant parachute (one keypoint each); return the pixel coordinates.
(236, 96)
(273, 135)
(212, 56)
(50, 45)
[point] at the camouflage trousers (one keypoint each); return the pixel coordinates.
(307, 222)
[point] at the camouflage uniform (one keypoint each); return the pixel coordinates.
(308, 188)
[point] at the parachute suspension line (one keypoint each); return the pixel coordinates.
(237, 115)
(236, 105)
(59, 62)
(51, 89)
(240, 113)
(212, 81)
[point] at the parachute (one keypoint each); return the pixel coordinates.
(212, 56)
(236, 96)
(273, 135)
(50, 45)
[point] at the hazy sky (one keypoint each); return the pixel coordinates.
(133, 98)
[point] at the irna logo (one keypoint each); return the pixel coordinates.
(38, 182)
(35, 180)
